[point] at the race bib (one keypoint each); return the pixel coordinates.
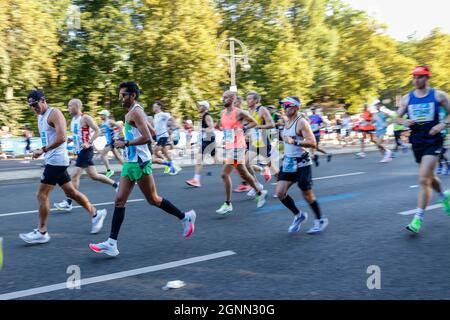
(423, 112)
(315, 127)
(228, 135)
(290, 165)
(364, 123)
(44, 139)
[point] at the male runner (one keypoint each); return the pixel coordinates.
(316, 123)
(381, 124)
(367, 128)
(81, 126)
(422, 106)
(233, 130)
(52, 129)
(206, 142)
(110, 130)
(296, 167)
(137, 169)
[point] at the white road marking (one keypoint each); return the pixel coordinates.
(411, 212)
(337, 176)
(115, 276)
(54, 209)
(414, 187)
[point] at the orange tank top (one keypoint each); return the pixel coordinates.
(233, 133)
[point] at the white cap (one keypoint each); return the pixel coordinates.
(105, 113)
(203, 104)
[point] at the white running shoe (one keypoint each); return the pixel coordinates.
(35, 237)
(261, 200)
(189, 223)
(252, 192)
(106, 248)
(225, 208)
(387, 157)
(361, 155)
(97, 222)
(63, 206)
(319, 226)
(297, 223)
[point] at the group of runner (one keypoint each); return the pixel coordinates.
(247, 147)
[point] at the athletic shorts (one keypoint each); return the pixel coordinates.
(163, 142)
(135, 170)
(209, 147)
(85, 158)
(317, 139)
(303, 177)
(55, 175)
(421, 150)
(381, 133)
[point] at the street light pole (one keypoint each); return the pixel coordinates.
(233, 58)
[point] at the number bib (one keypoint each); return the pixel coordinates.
(290, 165)
(423, 112)
(228, 135)
(44, 139)
(314, 127)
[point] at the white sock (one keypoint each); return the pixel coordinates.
(197, 177)
(112, 241)
(420, 213)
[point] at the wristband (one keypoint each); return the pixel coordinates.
(44, 149)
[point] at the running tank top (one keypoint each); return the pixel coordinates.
(258, 134)
(136, 154)
(233, 133)
(107, 132)
(205, 136)
(57, 156)
(80, 135)
(380, 121)
(295, 151)
(425, 111)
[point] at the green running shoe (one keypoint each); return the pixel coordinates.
(415, 225)
(167, 169)
(446, 202)
(109, 173)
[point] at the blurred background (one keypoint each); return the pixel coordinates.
(182, 51)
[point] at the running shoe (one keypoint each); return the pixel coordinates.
(319, 226)
(97, 222)
(329, 156)
(361, 155)
(35, 237)
(252, 192)
(189, 223)
(106, 248)
(109, 173)
(261, 200)
(63, 206)
(266, 174)
(415, 225)
(316, 160)
(167, 169)
(297, 223)
(225, 209)
(193, 183)
(446, 202)
(174, 170)
(242, 188)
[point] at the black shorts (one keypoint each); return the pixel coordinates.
(85, 158)
(55, 175)
(421, 150)
(209, 147)
(303, 177)
(317, 139)
(163, 142)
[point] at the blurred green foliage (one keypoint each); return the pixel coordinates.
(323, 51)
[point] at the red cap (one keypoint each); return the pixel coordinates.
(421, 71)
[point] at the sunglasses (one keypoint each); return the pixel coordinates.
(123, 95)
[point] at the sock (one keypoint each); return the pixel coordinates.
(259, 193)
(420, 213)
(112, 241)
(119, 215)
(315, 207)
(290, 204)
(228, 202)
(115, 185)
(171, 209)
(95, 214)
(69, 201)
(43, 233)
(197, 177)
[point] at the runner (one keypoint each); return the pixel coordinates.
(52, 129)
(296, 167)
(81, 126)
(160, 121)
(137, 169)
(367, 128)
(399, 129)
(443, 160)
(316, 123)
(110, 129)
(206, 141)
(233, 130)
(381, 124)
(422, 106)
(27, 134)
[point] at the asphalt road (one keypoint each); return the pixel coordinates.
(257, 259)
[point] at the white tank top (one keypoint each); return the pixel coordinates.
(57, 156)
(134, 153)
(290, 150)
(80, 135)
(160, 120)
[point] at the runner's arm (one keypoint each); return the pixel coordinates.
(402, 111)
(92, 125)
(140, 120)
(304, 129)
(210, 123)
(57, 121)
(245, 116)
(268, 121)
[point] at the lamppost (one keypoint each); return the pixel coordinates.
(233, 59)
